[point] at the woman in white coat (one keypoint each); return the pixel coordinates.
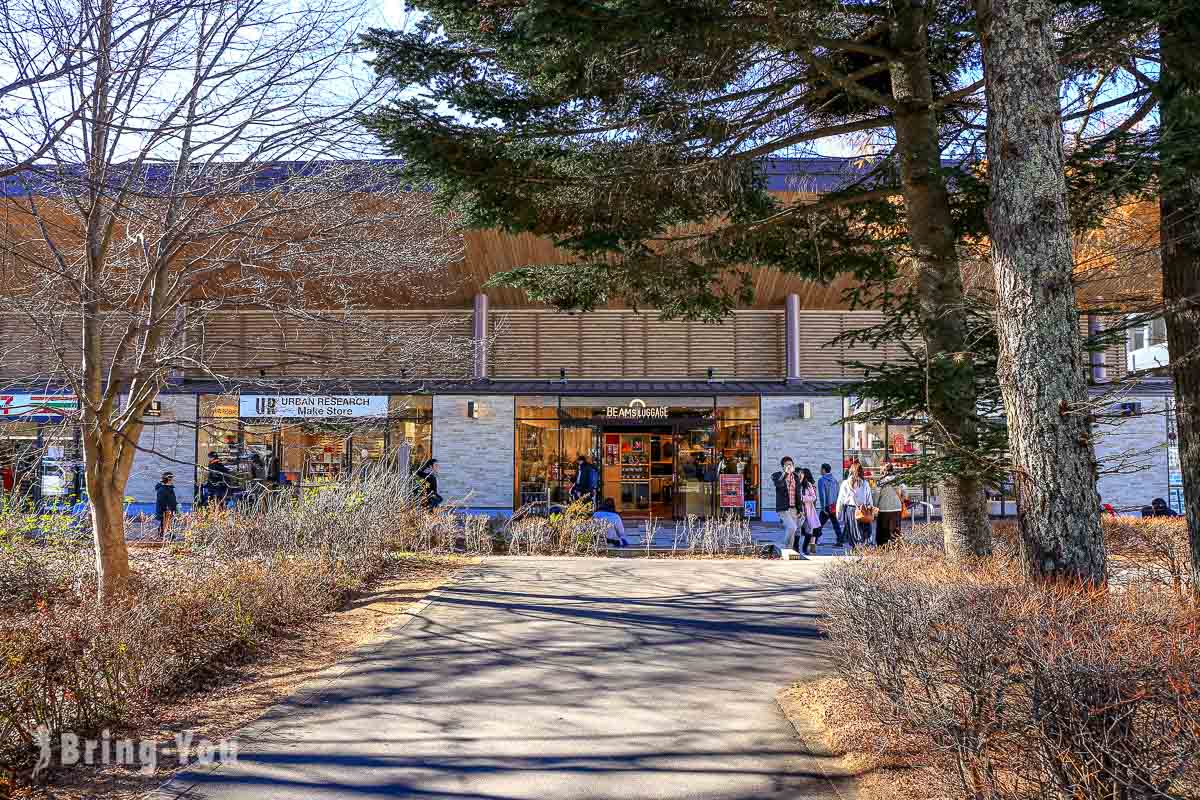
(855, 493)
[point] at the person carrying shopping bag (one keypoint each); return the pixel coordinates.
(892, 498)
(855, 507)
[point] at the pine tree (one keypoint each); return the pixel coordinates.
(632, 133)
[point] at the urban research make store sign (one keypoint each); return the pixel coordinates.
(312, 406)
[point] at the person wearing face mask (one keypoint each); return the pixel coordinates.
(787, 501)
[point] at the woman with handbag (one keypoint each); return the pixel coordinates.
(855, 507)
(811, 521)
(892, 497)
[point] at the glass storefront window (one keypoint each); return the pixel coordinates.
(875, 443)
(737, 445)
(410, 420)
(657, 456)
(307, 452)
(866, 442)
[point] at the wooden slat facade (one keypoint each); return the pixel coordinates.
(523, 343)
(620, 344)
(392, 344)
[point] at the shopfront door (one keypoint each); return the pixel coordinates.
(695, 469)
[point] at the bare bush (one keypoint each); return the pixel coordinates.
(713, 536)
(230, 579)
(1155, 548)
(1019, 690)
(569, 532)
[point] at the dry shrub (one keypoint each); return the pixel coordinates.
(1019, 690)
(569, 532)
(713, 536)
(1154, 549)
(232, 579)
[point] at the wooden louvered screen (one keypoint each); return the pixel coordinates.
(43, 352)
(626, 344)
(824, 348)
(392, 344)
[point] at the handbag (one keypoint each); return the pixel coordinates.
(864, 516)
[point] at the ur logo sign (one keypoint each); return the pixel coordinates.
(637, 403)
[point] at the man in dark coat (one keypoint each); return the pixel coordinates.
(587, 479)
(165, 503)
(219, 480)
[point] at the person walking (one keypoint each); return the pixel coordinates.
(587, 479)
(892, 495)
(219, 480)
(428, 484)
(827, 492)
(810, 521)
(854, 498)
(166, 504)
(787, 500)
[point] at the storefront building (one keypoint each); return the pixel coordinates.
(680, 417)
(665, 448)
(40, 453)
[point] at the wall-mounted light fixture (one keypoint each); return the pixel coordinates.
(711, 373)
(562, 374)
(804, 410)
(472, 409)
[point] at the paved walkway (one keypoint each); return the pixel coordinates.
(556, 678)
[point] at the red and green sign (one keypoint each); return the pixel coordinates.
(37, 405)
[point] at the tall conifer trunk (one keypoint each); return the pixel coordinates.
(952, 398)
(1179, 206)
(1041, 352)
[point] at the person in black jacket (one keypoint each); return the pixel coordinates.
(427, 475)
(165, 503)
(219, 480)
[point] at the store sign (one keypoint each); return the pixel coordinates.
(637, 409)
(312, 406)
(37, 405)
(732, 491)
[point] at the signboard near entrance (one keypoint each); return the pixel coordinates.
(732, 491)
(312, 406)
(37, 405)
(637, 410)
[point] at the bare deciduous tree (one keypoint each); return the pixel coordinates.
(194, 176)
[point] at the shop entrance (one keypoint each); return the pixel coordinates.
(660, 471)
(665, 458)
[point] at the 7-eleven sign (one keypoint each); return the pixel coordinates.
(37, 405)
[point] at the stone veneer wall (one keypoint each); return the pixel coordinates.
(810, 442)
(167, 443)
(1137, 446)
(475, 456)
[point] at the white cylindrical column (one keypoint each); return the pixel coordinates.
(792, 321)
(480, 336)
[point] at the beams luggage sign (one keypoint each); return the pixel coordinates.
(312, 406)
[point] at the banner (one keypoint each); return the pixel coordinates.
(312, 406)
(732, 495)
(37, 405)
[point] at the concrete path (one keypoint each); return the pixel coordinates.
(556, 678)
